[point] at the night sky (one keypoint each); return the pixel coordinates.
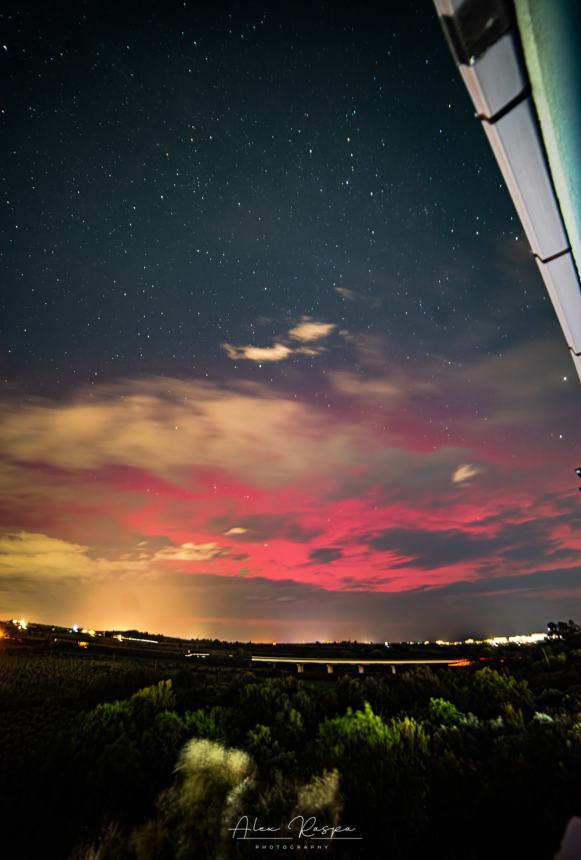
(276, 361)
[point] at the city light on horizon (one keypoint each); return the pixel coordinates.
(494, 641)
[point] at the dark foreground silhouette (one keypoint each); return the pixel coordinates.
(131, 758)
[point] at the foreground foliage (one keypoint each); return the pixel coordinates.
(463, 760)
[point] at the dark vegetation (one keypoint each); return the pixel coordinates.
(142, 759)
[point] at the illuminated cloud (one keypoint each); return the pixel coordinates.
(42, 557)
(309, 330)
(465, 472)
(164, 425)
(278, 352)
(37, 556)
(189, 552)
(127, 484)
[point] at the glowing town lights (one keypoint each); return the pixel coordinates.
(137, 639)
(528, 639)
(495, 641)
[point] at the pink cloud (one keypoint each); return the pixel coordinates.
(245, 481)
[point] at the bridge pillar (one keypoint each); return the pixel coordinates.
(329, 668)
(300, 668)
(393, 669)
(361, 669)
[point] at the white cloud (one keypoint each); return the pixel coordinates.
(170, 428)
(161, 424)
(236, 530)
(189, 552)
(278, 352)
(39, 557)
(309, 330)
(465, 472)
(36, 556)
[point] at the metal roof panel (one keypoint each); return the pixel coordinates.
(518, 150)
(495, 79)
(560, 277)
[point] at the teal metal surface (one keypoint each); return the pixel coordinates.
(550, 32)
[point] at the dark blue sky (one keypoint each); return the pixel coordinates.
(175, 174)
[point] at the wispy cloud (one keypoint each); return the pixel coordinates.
(350, 295)
(308, 332)
(362, 488)
(41, 557)
(190, 552)
(259, 354)
(347, 294)
(366, 387)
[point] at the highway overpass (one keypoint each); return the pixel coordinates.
(332, 662)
